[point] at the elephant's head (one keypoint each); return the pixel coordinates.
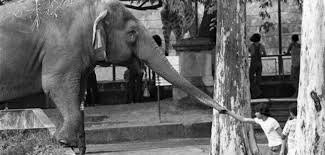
(119, 38)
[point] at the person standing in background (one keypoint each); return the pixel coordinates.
(134, 75)
(294, 51)
(92, 90)
(256, 51)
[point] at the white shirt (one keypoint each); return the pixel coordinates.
(269, 127)
(289, 130)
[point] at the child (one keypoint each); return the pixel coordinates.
(288, 133)
(269, 125)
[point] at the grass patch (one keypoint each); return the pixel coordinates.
(28, 142)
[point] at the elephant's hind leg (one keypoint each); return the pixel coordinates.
(64, 90)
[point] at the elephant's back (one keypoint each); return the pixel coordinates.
(34, 13)
(23, 32)
(16, 9)
(24, 29)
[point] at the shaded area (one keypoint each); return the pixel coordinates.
(140, 121)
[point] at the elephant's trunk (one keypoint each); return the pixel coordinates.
(156, 60)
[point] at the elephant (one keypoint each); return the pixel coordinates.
(51, 46)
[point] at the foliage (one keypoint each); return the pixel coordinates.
(2, 2)
(211, 7)
(264, 14)
(178, 6)
(264, 4)
(28, 143)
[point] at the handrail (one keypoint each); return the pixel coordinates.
(274, 55)
(267, 100)
(279, 60)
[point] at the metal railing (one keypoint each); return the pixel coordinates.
(276, 65)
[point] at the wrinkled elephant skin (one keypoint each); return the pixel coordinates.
(54, 47)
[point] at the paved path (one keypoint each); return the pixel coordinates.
(190, 146)
(186, 150)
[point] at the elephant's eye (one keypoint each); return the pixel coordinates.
(132, 35)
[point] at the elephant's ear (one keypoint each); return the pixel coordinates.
(99, 38)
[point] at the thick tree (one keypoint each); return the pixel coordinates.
(231, 84)
(310, 128)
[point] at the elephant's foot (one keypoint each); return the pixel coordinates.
(82, 147)
(67, 138)
(65, 143)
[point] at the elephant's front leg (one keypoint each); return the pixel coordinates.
(64, 90)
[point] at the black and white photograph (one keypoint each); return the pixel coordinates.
(162, 77)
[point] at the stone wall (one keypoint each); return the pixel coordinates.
(151, 20)
(291, 24)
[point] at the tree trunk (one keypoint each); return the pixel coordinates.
(310, 129)
(231, 84)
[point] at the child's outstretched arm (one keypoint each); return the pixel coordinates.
(284, 137)
(239, 118)
(284, 143)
